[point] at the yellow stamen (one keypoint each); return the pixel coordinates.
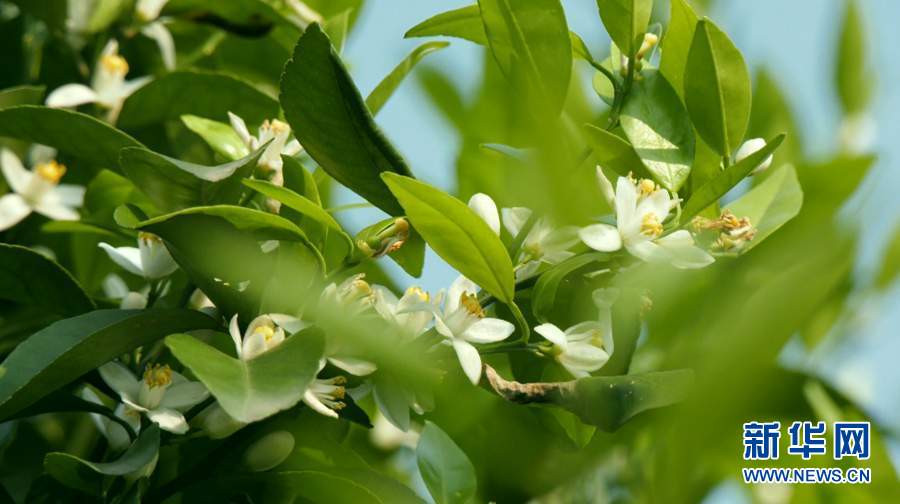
(419, 293)
(471, 304)
(650, 225)
(115, 64)
(50, 171)
(650, 40)
(279, 127)
(266, 330)
(646, 187)
(157, 376)
(596, 338)
(149, 238)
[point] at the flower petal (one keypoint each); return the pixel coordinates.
(156, 262)
(469, 359)
(240, 127)
(459, 287)
(658, 203)
(684, 254)
(114, 287)
(184, 395)
(488, 330)
(552, 334)
(354, 366)
(514, 218)
(648, 251)
(582, 358)
(120, 379)
(484, 206)
(14, 172)
(160, 34)
(606, 188)
(13, 209)
(289, 323)
(626, 202)
(235, 331)
(71, 95)
(168, 420)
(602, 237)
(310, 399)
(129, 258)
(70, 195)
(254, 345)
(52, 208)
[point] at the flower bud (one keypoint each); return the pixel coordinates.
(748, 148)
(269, 451)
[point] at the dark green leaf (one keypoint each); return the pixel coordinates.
(457, 234)
(383, 91)
(770, 204)
(717, 88)
(21, 95)
(464, 23)
(676, 44)
(32, 279)
(362, 486)
(204, 94)
(613, 152)
(448, 473)
(545, 296)
(626, 21)
(59, 354)
(250, 390)
(330, 119)
(219, 136)
(73, 133)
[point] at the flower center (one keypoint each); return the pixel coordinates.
(471, 304)
(115, 64)
(650, 225)
(279, 127)
(149, 238)
(596, 338)
(420, 294)
(267, 331)
(646, 187)
(157, 376)
(50, 171)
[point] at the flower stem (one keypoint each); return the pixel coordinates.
(520, 321)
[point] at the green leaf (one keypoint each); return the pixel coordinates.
(410, 256)
(658, 127)
(612, 151)
(713, 190)
(330, 119)
(363, 486)
(853, 77)
(605, 401)
(221, 137)
(392, 399)
(448, 473)
(21, 95)
(73, 133)
(457, 234)
(89, 476)
(770, 204)
(63, 400)
(172, 184)
(383, 91)
(546, 295)
(65, 350)
(464, 23)
(676, 44)
(717, 88)
(247, 274)
(530, 41)
(204, 94)
(626, 21)
(254, 389)
(32, 279)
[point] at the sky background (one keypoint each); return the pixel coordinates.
(795, 40)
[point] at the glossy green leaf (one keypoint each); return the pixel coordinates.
(89, 477)
(410, 256)
(21, 95)
(448, 473)
(63, 400)
(464, 23)
(172, 184)
(457, 234)
(530, 41)
(676, 43)
(655, 122)
(770, 204)
(363, 486)
(612, 152)
(626, 21)
(605, 401)
(717, 88)
(546, 295)
(205, 94)
(383, 91)
(219, 136)
(264, 263)
(852, 73)
(46, 285)
(65, 350)
(73, 133)
(716, 187)
(330, 119)
(254, 389)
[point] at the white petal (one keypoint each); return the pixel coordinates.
(583, 357)
(658, 203)
(14, 172)
(54, 209)
(514, 218)
(484, 206)
(602, 237)
(254, 345)
(148, 10)
(156, 262)
(13, 209)
(71, 95)
(469, 359)
(606, 188)
(441, 327)
(354, 366)
(128, 258)
(235, 331)
(552, 334)
(604, 298)
(648, 251)
(133, 301)
(310, 399)
(168, 420)
(748, 148)
(184, 395)
(683, 253)
(240, 127)
(114, 287)
(290, 323)
(488, 330)
(292, 148)
(120, 379)
(70, 195)
(459, 287)
(626, 201)
(110, 49)
(160, 34)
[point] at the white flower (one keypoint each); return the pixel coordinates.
(749, 147)
(148, 13)
(274, 130)
(161, 395)
(116, 288)
(108, 87)
(150, 259)
(462, 322)
(262, 335)
(641, 208)
(38, 190)
(324, 395)
(543, 244)
(148, 10)
(407, 312)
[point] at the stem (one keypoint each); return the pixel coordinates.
(520, 321)
(516, 244)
